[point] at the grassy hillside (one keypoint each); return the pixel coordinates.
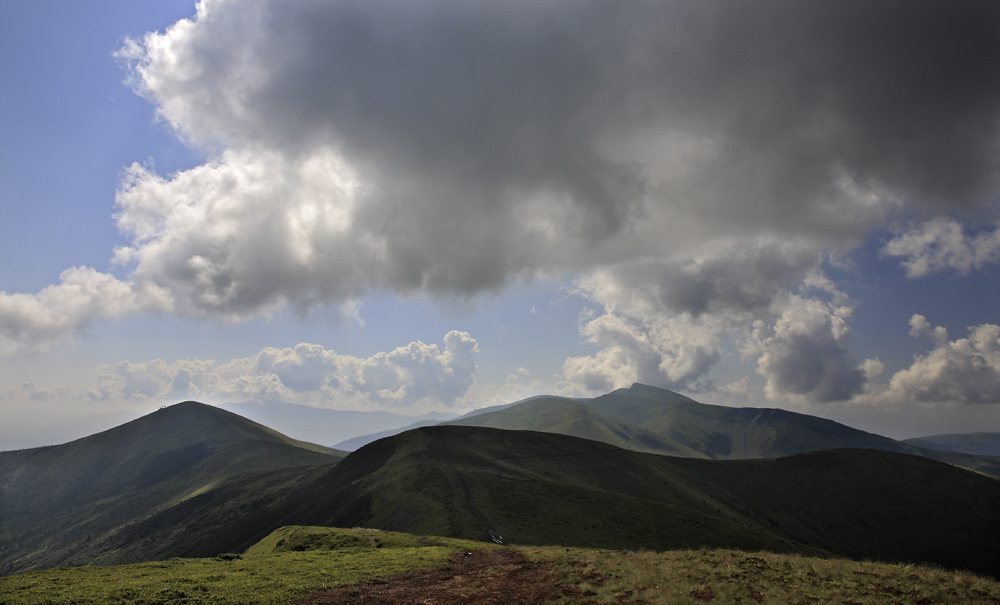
(539, 488)
(197, 481)
(732, 433)
(57, 500)
(294, 562)
(570, 417)
(544, 489)
(649, 419)
(644, 418)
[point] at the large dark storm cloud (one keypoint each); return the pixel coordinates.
(495, 140)
(448, 148)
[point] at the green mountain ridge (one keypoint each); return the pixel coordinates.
(196, 481)
(56, 497)
(570, 417)
(545, 488)
(650, 419)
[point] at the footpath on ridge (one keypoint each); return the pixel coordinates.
(477, 576)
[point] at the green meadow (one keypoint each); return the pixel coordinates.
(295, 561)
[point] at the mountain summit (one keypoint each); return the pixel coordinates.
(123, 474)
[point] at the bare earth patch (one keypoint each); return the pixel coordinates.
(477, 576)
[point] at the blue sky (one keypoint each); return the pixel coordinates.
(451, 205)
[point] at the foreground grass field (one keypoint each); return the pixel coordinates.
(296, 561)
(726, 576)
(288, 563)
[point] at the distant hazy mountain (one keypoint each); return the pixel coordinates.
(431, 419)
(54, 501)
(572, 417)
(650, 419)
(355, 442)
(324, 426)
(983, 444)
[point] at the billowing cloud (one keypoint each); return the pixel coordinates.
(943, 244)
(412, 375)
(455, 146)
(964, 370)
(668, 322)
(35, 322)
(804, 353)
(247, 233)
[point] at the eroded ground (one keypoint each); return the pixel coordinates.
(478, 576)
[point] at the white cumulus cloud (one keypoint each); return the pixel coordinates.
(35, 322)
(943, 244)
(412, 375)
(670, 322)
(804, 353)
(964, 370)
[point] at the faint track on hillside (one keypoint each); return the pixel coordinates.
(470, 498)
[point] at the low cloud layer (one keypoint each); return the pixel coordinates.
(417, 374)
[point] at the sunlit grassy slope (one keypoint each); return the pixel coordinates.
(570, 417)
(650, 419)
(294, 561)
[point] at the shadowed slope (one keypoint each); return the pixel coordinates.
(539, 488)
(56, 497)
(544, 488)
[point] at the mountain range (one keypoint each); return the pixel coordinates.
(649, 419)
(195, 480)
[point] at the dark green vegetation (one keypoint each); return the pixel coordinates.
(648, 419)
(63, 504)
(295, 561)
(195, 481)
(539, 488)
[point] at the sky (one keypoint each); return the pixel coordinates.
(444, 205)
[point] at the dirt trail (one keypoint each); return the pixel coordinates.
(480, 576)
